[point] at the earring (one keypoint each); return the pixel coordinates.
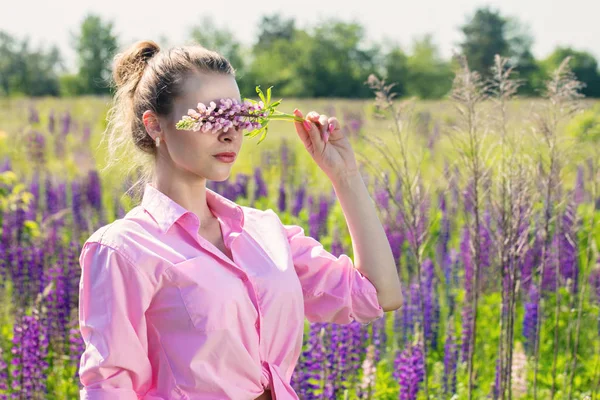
(158, 141)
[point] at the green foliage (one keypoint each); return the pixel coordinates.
(96, 45)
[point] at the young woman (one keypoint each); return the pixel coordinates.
(191, 296)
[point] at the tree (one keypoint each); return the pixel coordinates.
(396, 70)
(221, 40)
(95, 45)
(429, 76)
(26, 71)
(337, 62)
(583, 65)
(484, 38)
(273, 28)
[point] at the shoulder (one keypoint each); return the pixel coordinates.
(123, 235)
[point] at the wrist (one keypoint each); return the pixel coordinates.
(347, 180)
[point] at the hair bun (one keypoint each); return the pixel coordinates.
(130, 64)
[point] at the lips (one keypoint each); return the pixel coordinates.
(227, 157)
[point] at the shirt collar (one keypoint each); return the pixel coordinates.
(166, 212)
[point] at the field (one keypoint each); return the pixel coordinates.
(495, 224)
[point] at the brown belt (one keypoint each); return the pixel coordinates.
(266, 395)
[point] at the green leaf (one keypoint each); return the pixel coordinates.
(264, 135)
(268, 96)
(260, 94)
(278, 102)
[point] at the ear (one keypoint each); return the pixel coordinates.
(152, 124)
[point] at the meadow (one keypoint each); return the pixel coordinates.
(491, 205)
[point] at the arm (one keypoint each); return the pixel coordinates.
(113, 297)
(372, 252)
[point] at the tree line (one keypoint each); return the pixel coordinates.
(329, 59)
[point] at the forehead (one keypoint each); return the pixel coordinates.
(207, 87)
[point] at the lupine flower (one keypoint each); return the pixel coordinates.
(29, 352)
(3, 372)
(261, 186)
(568, 249)
(369, 370)
(450, 361)
(282, 203)
(51, 121)
(530, 318)
(431, 312)
(299, 200)
(409, 370)
(231, 114)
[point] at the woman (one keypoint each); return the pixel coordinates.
(191, 296)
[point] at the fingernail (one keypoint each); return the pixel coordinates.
(331, 127)
(306, 125)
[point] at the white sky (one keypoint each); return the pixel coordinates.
(573, 23)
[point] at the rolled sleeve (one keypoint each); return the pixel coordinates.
(334, 290)
(113, 298)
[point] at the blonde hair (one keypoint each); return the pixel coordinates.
(148, 78)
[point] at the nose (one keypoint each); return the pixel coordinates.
(229, 136)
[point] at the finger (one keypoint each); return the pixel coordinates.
(313, 116)
(315, 136)
(301, 129)
(323, 127)
(335, 129)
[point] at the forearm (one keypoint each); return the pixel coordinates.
(372, 253)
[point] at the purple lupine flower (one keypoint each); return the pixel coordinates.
(66, 123)
(241, 184)
(379, 338)
(409, 371)
(396, 239)
(282, 203)
(51, 121)
(307, 377)
(468, 197)
(530, 319)
(34, 189)
(431, 307)
(299, 200)
(337, 248)
(36, 147)
(314, 225)
(467, 331)
(29, 364)
(568, 248)
(261, 186)
(465, 254)
(3, 372)
(57, 303)
(549, 277)
(450, 277)
(382, 198)
(34, 116)
(323, 214)
(579, 191)
(94, 190)
(595, 286)
(87, 131)
(444, 229)
(450, 361)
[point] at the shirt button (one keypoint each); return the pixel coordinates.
(245, 278)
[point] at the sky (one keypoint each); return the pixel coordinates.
(565, 23)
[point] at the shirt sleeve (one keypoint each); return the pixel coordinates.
(334, 290)
(113, 297)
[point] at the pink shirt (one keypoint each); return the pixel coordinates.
(166, 315)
